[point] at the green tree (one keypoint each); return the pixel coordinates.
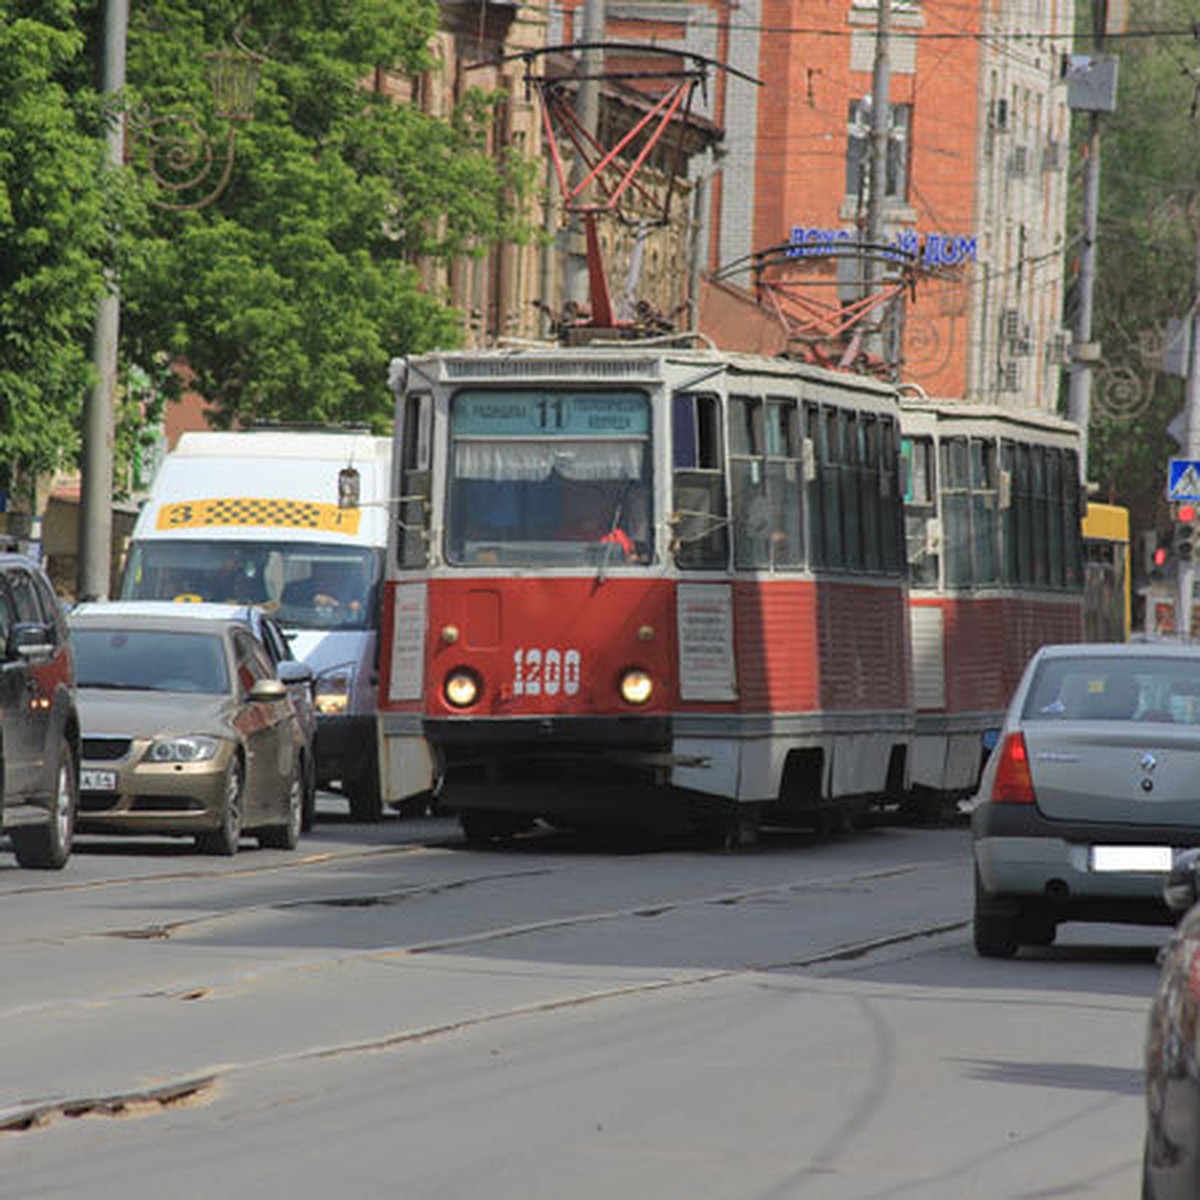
(1149, 210)
(55, 212)
(290, 292)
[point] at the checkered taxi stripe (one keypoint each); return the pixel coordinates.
(258, 510)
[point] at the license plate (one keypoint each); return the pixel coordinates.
(1132, 858)
(97, 781)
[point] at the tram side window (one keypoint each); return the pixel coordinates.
(869, 494)
(700, 520)
(814, 494)
(890, 514)
(412, 541)
(970, 505)
(920, 511)
(1073, 506)
(1042, 545)
(850, 471)
(956, 512)
(1054, 523)
(1041, 514)
(765, 479)
(829, 458)
(1018, 528)
(784, 472)
(985, 525)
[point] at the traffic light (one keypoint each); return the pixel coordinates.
(1158, 561)
(1185, 530)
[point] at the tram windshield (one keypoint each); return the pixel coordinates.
(549, 478)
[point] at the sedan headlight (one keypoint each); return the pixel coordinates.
(462, 688)
(332, 690)
(636, 686)
(192, 748)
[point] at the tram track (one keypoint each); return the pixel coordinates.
(202, 1087)
(290, 863)
(259, 972)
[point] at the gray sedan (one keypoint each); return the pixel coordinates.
(1092, 790)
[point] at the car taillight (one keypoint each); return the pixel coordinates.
(1013, 783)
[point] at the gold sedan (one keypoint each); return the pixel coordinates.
(186, 729)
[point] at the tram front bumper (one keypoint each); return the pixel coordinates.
(550, 763)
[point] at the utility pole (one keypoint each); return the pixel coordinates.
(1084, 354)
(1186, 574)
(881, 128)
(587, 113)
(95, 517)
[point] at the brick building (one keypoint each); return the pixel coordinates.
(975, 187)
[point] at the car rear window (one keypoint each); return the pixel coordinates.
(150, 660)
(1124, 688)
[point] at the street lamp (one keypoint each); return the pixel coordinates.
(179, 163)
(189, 165)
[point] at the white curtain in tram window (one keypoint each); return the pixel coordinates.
(530, 462)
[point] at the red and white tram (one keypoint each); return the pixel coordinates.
(639, 582)
(992, 516)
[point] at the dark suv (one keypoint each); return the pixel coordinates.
(39, 727)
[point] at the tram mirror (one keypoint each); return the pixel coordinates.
(349, 488)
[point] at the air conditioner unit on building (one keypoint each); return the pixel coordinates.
(1018, 162)
(1010, 376)
(1058, 348)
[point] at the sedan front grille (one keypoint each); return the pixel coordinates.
(97, 748)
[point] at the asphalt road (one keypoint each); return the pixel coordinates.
(386, 1013)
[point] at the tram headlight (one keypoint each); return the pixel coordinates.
(462, 688)
(636, 686)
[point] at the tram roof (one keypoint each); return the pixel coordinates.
(941, 413)
(624, 362)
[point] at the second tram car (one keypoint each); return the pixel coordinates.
(645, 583)
(992, 517)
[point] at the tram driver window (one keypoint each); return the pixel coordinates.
(412, 509)
(699, 518)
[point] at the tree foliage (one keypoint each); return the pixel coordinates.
(288, 294)
(1149, 214)
(55, 212)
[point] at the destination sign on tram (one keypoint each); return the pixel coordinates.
(550, 414)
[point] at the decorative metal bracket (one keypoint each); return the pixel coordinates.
(189, 165)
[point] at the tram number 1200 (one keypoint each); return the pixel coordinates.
(538, 672)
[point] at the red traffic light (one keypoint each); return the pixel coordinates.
(1160, 556)
(1186, 512)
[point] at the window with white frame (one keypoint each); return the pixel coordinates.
(858, 150)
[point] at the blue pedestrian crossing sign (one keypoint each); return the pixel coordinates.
(1183, 479)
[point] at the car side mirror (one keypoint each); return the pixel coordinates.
(29, 640)
(268, 691)
(1182, 888)
(294, 672)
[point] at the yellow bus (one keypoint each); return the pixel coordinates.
(1107, 599)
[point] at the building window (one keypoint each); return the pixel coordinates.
(858, 150)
